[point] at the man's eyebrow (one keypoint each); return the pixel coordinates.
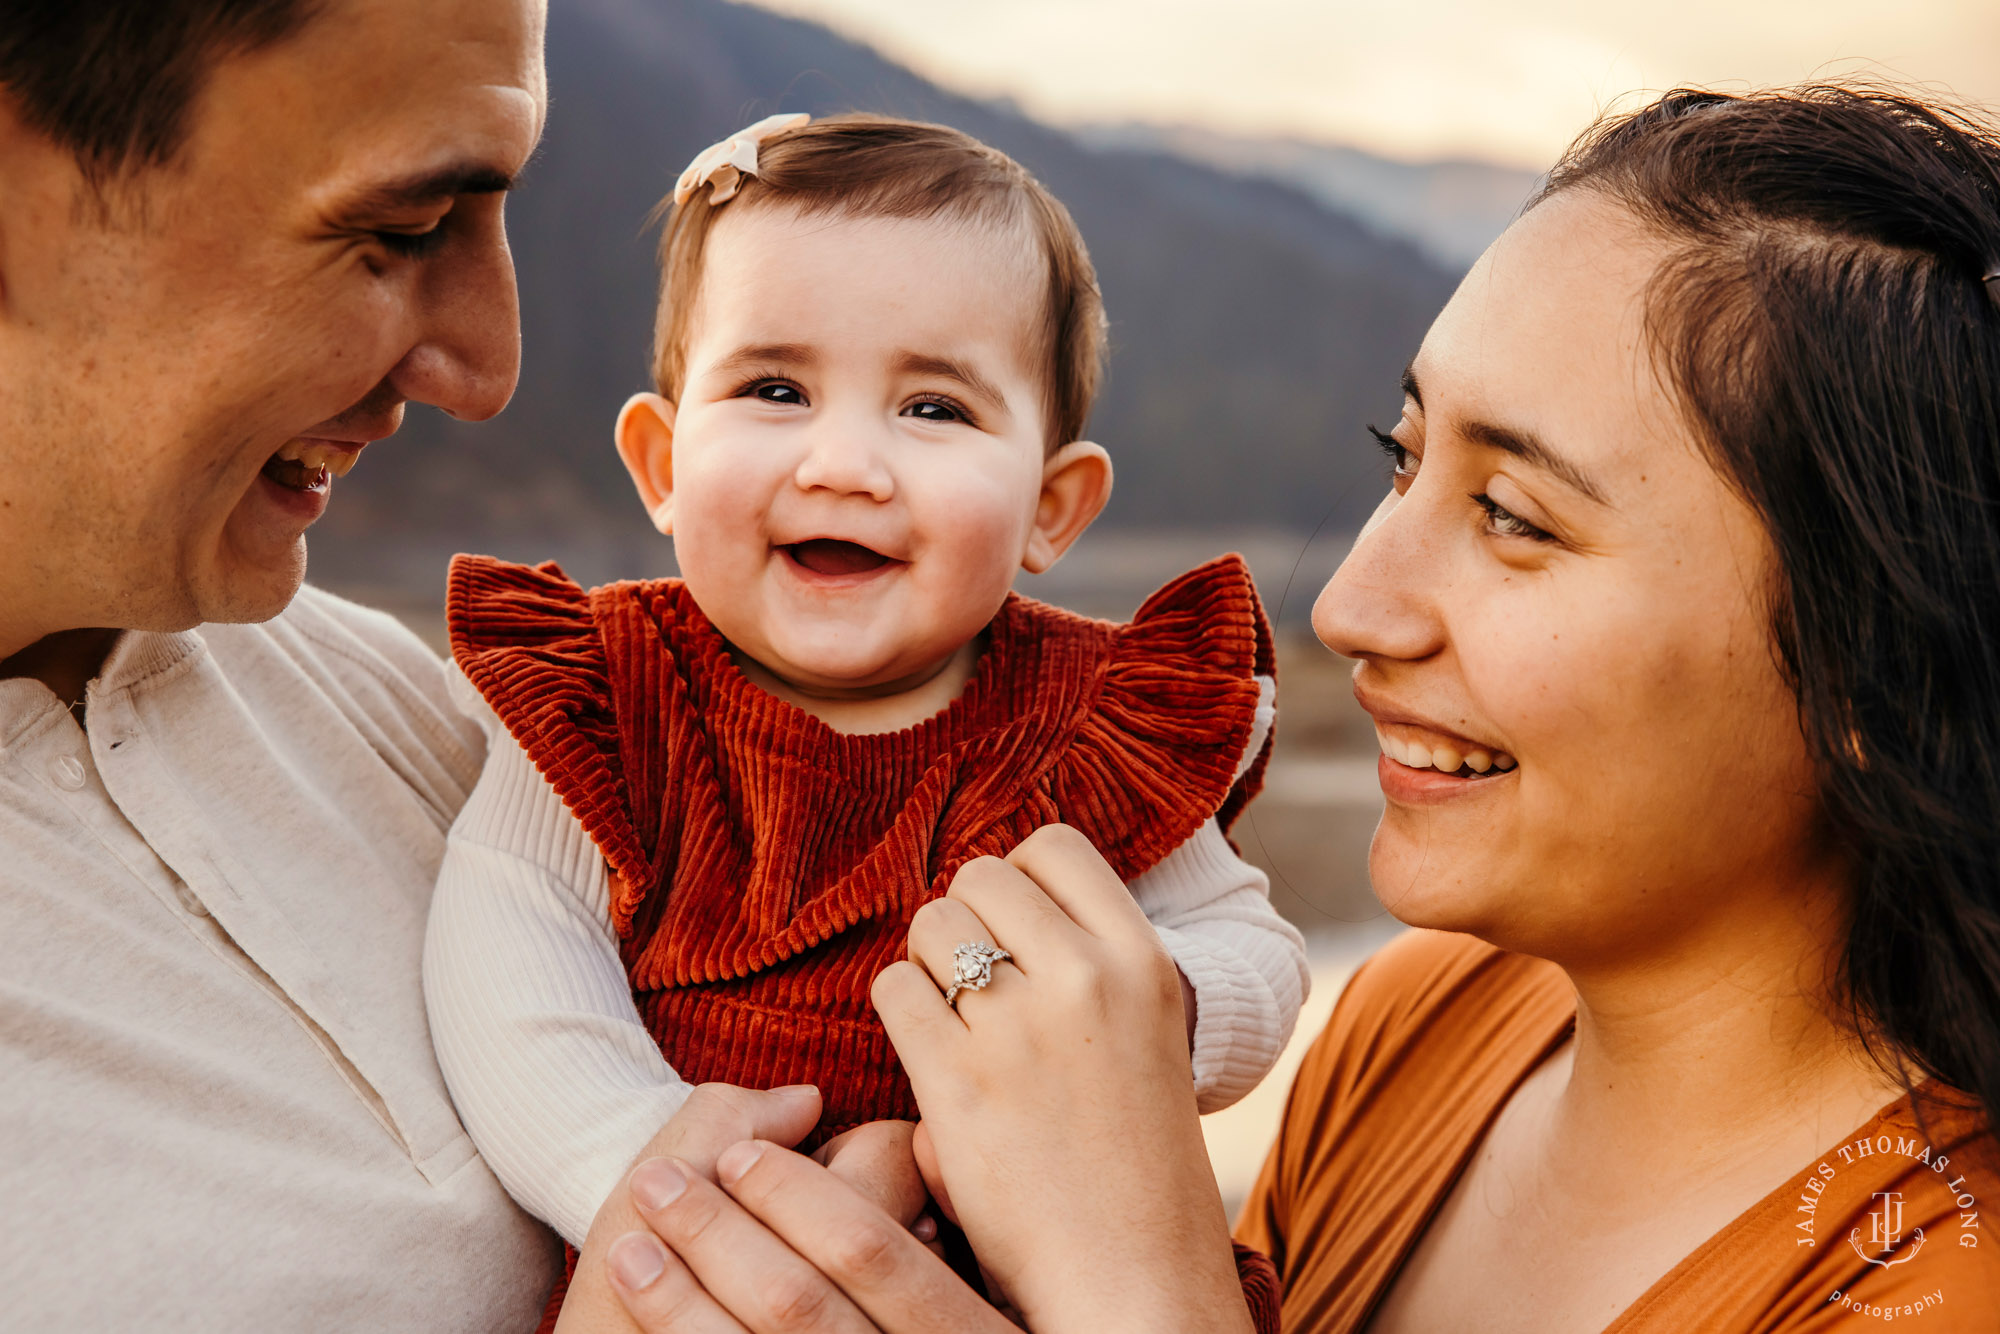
(431, 187)
(921, 363)
(1522, 444)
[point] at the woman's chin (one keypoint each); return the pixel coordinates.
(1421, 889)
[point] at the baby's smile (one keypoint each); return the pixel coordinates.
(837, 558)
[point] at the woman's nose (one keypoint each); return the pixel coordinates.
(842, 457)
(1382, 601)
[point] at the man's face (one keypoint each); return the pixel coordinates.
(180, 381)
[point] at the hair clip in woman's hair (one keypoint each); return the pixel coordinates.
(723, 166)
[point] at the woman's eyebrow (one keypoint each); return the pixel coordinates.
(1522, 444)
(1530, 448)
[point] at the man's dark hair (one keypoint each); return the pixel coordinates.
(112, 80)
(1829, 316)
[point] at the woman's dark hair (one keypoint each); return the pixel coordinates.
(112, 80)
(1824, 319)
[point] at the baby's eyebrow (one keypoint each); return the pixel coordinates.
(753, 355)
(923, 363)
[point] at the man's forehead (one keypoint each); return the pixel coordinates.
(380, 102)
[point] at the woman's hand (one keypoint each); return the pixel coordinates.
(1059, 1101)
(779, 1244)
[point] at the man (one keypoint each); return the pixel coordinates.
(236, 237)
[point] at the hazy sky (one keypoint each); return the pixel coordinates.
(1505, 79)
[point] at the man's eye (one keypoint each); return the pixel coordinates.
(412, 245)
(777, 391)
(936, 410)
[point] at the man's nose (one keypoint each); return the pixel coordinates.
(1383, 600)
(843, 455)
(467, 357)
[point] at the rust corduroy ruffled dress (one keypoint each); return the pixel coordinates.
(765, 867)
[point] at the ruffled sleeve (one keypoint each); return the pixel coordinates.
(527, 638)
(1159, 752)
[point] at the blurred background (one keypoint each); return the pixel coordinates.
(1278, 194)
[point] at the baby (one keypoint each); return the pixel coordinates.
(713, 803)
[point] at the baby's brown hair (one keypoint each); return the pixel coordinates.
(860, 165)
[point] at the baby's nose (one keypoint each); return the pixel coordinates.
(847, 462)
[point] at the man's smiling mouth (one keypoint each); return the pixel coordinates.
(833, 557)
(308, 465)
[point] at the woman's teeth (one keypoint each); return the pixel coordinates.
(1443, 757)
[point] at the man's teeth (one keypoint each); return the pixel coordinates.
(315, 455)
(1444, 757)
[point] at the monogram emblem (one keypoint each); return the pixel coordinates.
(1886, 1232)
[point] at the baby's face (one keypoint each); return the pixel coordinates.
(859, 447)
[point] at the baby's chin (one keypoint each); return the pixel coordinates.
(846, 670)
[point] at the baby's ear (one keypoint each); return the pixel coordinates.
(1076, 483)
(645, 434)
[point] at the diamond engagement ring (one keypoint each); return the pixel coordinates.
(972, 968)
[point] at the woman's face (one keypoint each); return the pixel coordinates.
(1562, 588)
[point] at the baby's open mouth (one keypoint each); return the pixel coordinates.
(831, 556)
(307, 465)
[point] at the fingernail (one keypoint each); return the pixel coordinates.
(925, 1228)
(657, 1183)
(637, 1260)
(798, 1090)
(736, 1160)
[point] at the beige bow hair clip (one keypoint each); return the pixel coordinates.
(723, 166)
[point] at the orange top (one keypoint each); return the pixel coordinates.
(1426, 1046)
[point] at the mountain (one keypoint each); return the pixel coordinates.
(1452, 209)
(1254, 329)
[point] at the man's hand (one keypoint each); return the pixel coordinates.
(780, 1245)
(714, 1117)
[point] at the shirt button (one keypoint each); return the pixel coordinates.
(189, 899)
(68, 773)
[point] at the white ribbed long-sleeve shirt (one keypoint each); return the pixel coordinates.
(552, 1069)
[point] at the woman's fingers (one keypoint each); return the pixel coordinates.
(1066, 867)
(659, 1292)
(936, 932)
(738, 1262)
(891, 1277)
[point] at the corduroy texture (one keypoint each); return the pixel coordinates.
(765, 868)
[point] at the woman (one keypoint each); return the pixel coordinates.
(1696, 519)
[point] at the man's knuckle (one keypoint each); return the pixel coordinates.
(866, 1252)
(795, 1300)
(692, 1217)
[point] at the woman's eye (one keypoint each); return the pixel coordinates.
(936, 410)
(778, 391)
(1401, 460)
(1503, 522)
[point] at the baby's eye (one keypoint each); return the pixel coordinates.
(937, 410)
(778, 391)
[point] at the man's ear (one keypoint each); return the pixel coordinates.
(645, 434)
(1076, 482)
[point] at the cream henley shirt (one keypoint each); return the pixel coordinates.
(218, 1096)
